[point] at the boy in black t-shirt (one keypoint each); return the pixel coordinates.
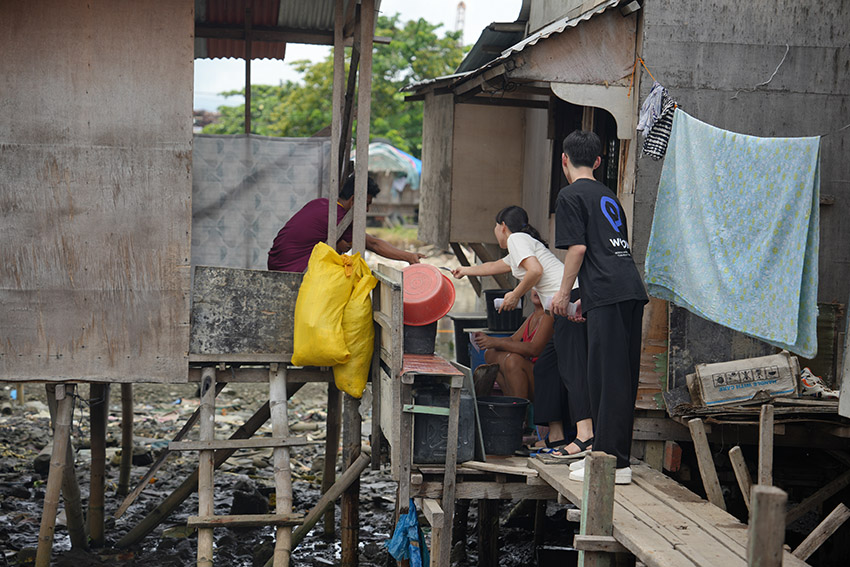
(591, 226)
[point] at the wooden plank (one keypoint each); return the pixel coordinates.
(257, 443)
(646, 544)
(245, 520)
(98, 415)
(765, 470)
(485, 491)
(126, 440)
(497, 468)
(206, 498)
(282, 474)
(95, 223)
(294, 374)
(742, 474)
(822, 532)
(597, 511)
(719, 524)
(706, 463)
(598, 543)
(435, 204)
(336, 119)
(433, 512)
(767, 527)
(816, 499)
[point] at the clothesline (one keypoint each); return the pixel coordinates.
(638, 58)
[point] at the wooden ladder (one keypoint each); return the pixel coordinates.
(283, 518)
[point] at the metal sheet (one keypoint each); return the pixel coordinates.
(95, 190)
(243, 311)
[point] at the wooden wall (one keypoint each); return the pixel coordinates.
(487, 173)
(95, 190)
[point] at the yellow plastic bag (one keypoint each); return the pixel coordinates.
(359, 330)
(324, 292)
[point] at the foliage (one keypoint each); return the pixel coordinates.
(302, 109)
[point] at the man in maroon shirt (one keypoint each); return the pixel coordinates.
(294, 243)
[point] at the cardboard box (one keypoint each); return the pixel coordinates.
(740, 380)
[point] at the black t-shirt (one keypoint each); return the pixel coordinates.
(589, 213)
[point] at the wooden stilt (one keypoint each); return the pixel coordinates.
(126, 439)
(350, 517)
(488, 532)
(450, 475)
(206, 467)
(597, 512)
(816, 499)
(765, 471)
(98, 413)
(334, 425)
(742, 474)
(822, 532)
(767, 527)
(539, 522)
(158, 514)
(706, 463)
(61, 438)
(282, 473)
(77, 529)
(460, 529)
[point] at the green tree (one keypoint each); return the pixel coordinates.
(416, 52)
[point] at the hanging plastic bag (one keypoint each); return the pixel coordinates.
(324, 292)
(359, 331)
(407, 541)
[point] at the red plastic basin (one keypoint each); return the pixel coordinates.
(428, 294)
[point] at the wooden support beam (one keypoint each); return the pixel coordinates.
(98, 412)
(248, 44)
(767, 527)
(276, 34)
(282, 473)
(450, 477)
(706, 463)
(765, 470)
(464, 261)
(245, 521)
(485, 491)
(599, 543)
(219, 386)
(822, 532)
(539, 522)
(206, 483)
(816, 499)
(334, 429)
(433, 512)
(597, 512)
(364, 114)
(742, 474)
(258, 443)
(336, 126)
(126, 440)
(503, 280)
(58, 459)
(574, 515)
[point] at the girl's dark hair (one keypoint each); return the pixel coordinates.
(516, 219)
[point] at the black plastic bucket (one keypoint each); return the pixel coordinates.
(431, 431)
(501, 420)
(420, 339)
(504, 321)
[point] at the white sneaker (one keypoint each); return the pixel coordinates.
(811, 385)
(621, 476)
(578, 465)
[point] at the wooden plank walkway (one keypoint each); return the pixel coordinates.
(663, 523)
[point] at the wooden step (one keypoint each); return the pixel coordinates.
(256, 443)
(245, 520)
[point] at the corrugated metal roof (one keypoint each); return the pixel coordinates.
(290, 15)
(482, 52)
(556, 27)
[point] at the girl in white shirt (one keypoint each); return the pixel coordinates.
(530, 260)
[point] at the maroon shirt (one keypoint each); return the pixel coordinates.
(294, 243)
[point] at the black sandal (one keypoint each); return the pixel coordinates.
(584, 448)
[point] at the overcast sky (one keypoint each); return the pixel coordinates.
(215, 76)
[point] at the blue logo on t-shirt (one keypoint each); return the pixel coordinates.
(611, 211)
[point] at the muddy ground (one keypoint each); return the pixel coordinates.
(160, 412)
